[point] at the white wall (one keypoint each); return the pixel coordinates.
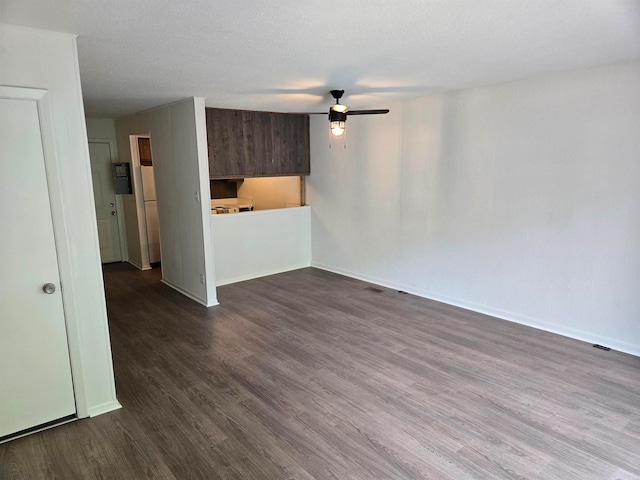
(180, 164)
(267, 193)
(103, 128)
(254, 244)
(519, 200)
(47, 60)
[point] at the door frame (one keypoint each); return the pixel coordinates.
(139, 198)
(61, 237)
(124, 253)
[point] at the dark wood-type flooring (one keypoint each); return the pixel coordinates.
(308, 374)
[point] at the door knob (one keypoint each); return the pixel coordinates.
(48, 288)
(113, 212)
(111, 204)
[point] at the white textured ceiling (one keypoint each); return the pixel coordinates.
(285, 55)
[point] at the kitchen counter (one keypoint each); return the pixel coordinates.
(273, 211)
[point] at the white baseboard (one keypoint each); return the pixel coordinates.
(193, 297)
(138, 266)
(104, 408)
(251, 276)
(576, 334)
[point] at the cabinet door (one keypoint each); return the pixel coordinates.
(257, 143)
(280, 136)
(144, 150)
(225, 141)
(299, 159)
(290, 137)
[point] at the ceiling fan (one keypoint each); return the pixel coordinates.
(338, 113)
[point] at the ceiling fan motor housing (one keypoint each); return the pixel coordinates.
(335, 116)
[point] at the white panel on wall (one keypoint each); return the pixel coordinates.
(518, 200)
(178, 143)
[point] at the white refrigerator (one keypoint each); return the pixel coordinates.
(151, 213)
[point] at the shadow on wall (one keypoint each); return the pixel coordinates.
(518, 199)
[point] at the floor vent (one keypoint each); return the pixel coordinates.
(606, 349)
(374, 289)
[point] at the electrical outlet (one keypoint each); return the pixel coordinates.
(202, 278)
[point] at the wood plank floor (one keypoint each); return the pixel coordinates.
(311, 375)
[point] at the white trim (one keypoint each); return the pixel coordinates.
(265, 273)
(38, 31)
(23, 93)
(212, 302)
(83, 410)
(104, 408)
(139, 267)
(119, 209)
(139, 198)
(205, 197)
(546, 326)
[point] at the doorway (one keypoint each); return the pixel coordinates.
(146, 200)
(107, 204)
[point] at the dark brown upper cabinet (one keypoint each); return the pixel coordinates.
(245, 143)
(144, 149)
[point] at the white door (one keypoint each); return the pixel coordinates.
(105, 199)
(35, 372)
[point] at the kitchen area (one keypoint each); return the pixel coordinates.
(249, 194)
(258, 161)
(251, 246)
(228, 187)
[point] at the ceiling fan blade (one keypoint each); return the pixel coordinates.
(368, 112)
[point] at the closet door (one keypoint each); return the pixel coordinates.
(35, 373)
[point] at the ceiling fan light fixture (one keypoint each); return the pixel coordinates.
(337, 128)
(338, 113)
(337, 120)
